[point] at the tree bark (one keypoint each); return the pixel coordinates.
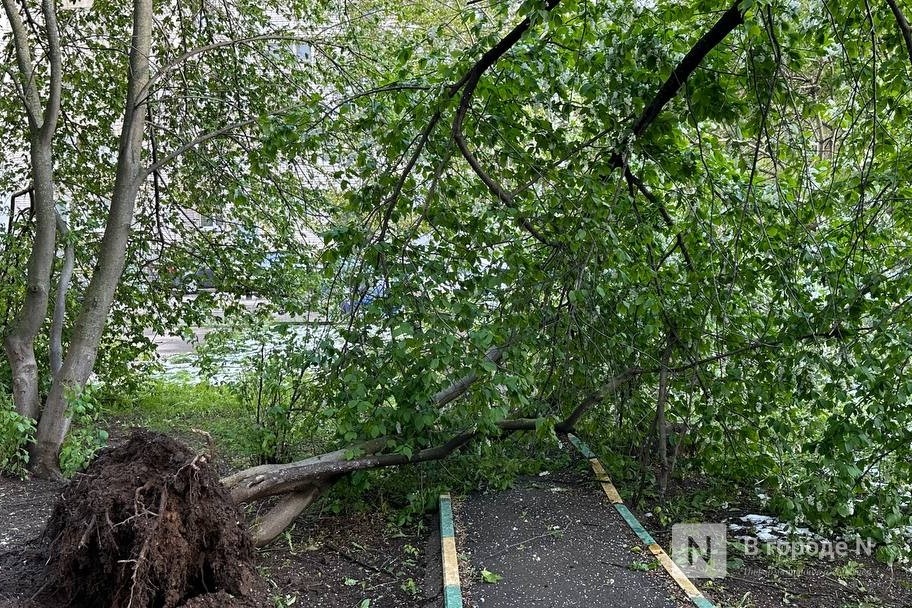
(269, 526)
(903, 24)
(297, 476)
(42, 120)
(83, 349)
(63, 286)
(661, 425)
(609, 387)
(729, 20)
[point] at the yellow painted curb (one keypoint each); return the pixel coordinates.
(450, 562)
(686, 585)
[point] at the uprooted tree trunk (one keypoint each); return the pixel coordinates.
(300, 483)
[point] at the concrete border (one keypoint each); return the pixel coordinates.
(693, 594)
(452, 589)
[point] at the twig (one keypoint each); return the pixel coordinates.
(903, 24)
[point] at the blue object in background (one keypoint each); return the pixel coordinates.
(374, 293)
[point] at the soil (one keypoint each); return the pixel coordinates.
(556, 542)
(324, 561)
(24, 509)
(147, 524)
(353, 561)
(761, 581)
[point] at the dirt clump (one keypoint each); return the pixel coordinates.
(147, 525)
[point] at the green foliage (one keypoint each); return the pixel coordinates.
(181, 408)
(490, 577)
(86, 436)
(776, 261)
(410, 587)
(16, 432)
(639, 565)
(847, 571)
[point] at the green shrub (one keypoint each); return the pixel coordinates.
(282, 413)
(85, 437)
(16, 432)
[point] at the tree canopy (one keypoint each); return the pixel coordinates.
(612, 216)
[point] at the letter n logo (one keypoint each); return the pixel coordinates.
(700, 550)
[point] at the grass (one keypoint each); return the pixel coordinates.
(182, 409)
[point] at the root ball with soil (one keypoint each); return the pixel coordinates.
(147, 525)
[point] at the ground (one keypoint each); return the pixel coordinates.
(555, 542)
(552, 540)
(355, 561)
(774, 581)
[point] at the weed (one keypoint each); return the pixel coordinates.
(284, 600)
(410, 587)
(643, 566)
(847, 571)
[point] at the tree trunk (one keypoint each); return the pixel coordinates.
(661, 425)
(83, 349)
(42, 121)
(63, 286)
(20, 343)
(268, 527)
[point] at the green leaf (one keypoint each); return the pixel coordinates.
(490, 577)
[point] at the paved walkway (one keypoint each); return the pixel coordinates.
(556, 543)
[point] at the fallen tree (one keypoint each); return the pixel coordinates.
(300, 483)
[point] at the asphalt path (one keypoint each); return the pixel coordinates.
(556, 543)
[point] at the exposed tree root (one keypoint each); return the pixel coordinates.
(147, 525)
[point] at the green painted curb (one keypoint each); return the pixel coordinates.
(447, 529)
(580, 445)
(635, 524)
(452, 597)
(452, 593)
(630, 519)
